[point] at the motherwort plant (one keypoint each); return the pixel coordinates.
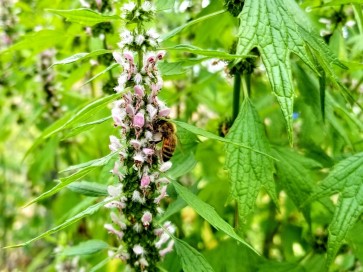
(138, 114)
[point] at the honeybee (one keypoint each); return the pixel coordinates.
(168, 138)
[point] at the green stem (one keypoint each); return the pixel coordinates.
(236, 104)
(236, 95)
(247, 90)
(110, 75)
(139, 29)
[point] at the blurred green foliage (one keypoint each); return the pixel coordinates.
(290, 236)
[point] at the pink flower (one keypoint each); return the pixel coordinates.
(162, 195)
(118, 57)
(148, 151)
(138, 78)
(135, 143)
(139, 157)
(114, 191)
(139, 90)
(115, 144)
(138, 250)
(130, 110)
(146, 218)
(160, 55)
(139, 120)
(168, 249)
(151, 59)
(145, 181)
(118, 116)
(111, 229)
(164, 112)
(129, 56)
(152, 111)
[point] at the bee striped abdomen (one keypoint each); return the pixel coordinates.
(168, 148)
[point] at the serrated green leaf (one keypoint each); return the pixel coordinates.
(191, 259)
(88, 188)
(208, 213)
(81, 56)
(346, 178)
(293, 173)
(231, 261)
(182, 27)
(249, 171)
(209, 135)
(84, 16)
(205, 52)
(85, 248)
(272, 28)
(90, 210)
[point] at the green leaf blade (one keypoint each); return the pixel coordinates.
(191, 259)
(347, 179)
(85, 248)
(249, 171)
(84, 16)
(208, 213)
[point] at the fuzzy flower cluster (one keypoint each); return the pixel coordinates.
(135, 200)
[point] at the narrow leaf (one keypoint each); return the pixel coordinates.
(88, 188)
(81, 56)
(62, 183)
(89, 211)
(84, 16)
(191, 259)
(205, 52)
(85, 248)
(96, 163)
(113, 65)
(208, 213)
(37, 41)
(85, 127)
(249, 171)
(182, 27)
(74, 118)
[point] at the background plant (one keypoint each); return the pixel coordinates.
(310, 203)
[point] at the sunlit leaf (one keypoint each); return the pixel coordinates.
(193, 22)
(84, 16)
(81, 56)
(190, 258)
(90, 210)
(249, 171)
(277, 29)
(85, 248)
(88, 188)
(208, 213)
(346, 178)
(209, 135)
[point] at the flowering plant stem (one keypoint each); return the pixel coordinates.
(140, 116)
